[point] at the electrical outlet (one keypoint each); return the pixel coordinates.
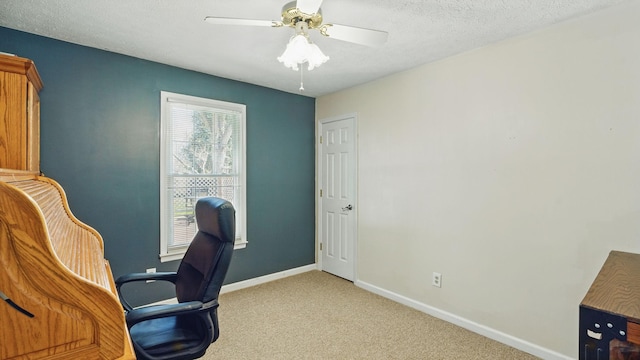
(151, 271)
(436, 280)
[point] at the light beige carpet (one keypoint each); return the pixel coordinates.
(316, 315)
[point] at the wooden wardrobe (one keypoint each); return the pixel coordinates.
(57, 295)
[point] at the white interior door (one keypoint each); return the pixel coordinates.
(338, 210)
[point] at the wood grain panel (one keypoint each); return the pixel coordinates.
(616, 289)
(78, 246)
(76, 311)
(33, 128)
(13, 127)
(19, 114)
(21, 66)
(633, 332)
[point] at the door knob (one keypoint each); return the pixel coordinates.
(348, 207)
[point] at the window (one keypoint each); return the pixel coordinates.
(202, 153)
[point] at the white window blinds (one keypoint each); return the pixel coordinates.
(203, 154)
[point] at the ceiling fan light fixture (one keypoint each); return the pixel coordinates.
(295, 52)
(315, 56)
(301, 50)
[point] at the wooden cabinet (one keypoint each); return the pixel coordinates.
(60, 301)
(20, 114)
(610, 311)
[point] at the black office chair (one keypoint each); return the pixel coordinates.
(185, 330)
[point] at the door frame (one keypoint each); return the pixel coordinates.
(319, 186)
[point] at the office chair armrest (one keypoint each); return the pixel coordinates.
(137, 277)
(159, 311)
(163, 276)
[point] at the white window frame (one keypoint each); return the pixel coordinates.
(166, 216)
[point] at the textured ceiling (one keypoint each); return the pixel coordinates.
(173, 32)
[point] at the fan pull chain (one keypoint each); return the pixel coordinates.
(301, 79)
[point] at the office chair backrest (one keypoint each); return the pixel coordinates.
(205, 264)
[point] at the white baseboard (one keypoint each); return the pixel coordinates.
(267, 278)
(483, 330)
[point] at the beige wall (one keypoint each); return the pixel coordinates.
(512, 170)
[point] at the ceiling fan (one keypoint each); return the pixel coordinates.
(309, 12)
(305, 15)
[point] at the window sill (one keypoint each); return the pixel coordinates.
(240, 245)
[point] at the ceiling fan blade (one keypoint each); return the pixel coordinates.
(356, 35)
(309, 6)
(233, 21)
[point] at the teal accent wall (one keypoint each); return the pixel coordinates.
(100, 131)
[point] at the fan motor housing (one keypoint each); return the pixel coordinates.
(291, 15)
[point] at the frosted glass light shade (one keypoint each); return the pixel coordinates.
(299, 50)
(315, 56)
